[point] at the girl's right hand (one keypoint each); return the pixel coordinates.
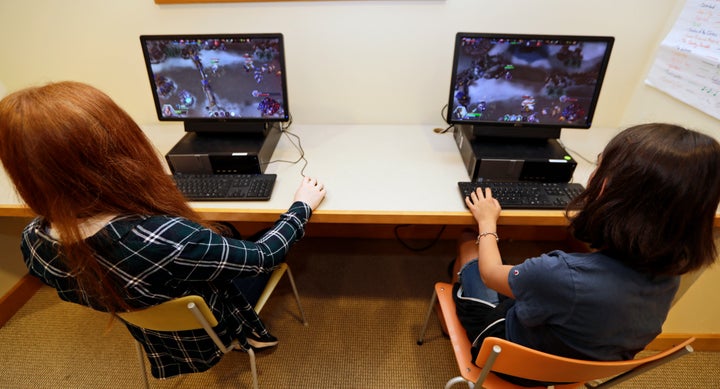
(310, 192)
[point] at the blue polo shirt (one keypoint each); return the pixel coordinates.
(587, 305)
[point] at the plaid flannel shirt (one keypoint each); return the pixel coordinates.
(158, 258)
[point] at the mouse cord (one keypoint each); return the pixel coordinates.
(286, 131)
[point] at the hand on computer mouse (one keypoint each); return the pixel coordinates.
(310, 192)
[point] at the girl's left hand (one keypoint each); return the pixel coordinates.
(484, 207)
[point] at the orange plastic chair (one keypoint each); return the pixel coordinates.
(502, 356)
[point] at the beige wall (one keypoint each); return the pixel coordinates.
(349, 62)
(12, 267)
(697, 311)
(370, 61)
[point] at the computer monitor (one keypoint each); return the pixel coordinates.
(526, 86)
(218, 83)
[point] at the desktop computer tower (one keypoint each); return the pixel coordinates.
(543, 160)
(224, 153)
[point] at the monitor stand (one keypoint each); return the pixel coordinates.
(224, 152)
(215, 127)
(481, 131)
(513, 159)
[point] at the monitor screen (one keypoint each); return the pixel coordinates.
(512, 85)
(221, 78)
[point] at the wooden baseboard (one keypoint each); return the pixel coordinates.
(704, 342)
(14, 299)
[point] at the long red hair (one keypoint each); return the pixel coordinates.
(73, 153)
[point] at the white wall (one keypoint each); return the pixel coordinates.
(369, 61)
(649, 104)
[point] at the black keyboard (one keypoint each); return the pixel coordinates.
(526, 194)
(199, 187)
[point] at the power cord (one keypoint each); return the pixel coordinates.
(591, 162)
(440, 130)
(298, 146)
(422, 248)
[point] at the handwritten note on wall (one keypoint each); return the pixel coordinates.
(687, 65)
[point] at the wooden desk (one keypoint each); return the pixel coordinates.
(374, 174)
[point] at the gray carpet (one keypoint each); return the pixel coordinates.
(364, 300)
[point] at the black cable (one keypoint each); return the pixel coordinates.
(577, 154)
(423, 248)
(286, 131)
(439, 130)
(298, 147)
(289, 123)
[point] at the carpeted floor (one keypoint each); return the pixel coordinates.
(364, 300)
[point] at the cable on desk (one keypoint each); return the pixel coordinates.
(299, 148)
(443, 115)
(439, 130)
(423, 248)
(286, 131)
(594, 163)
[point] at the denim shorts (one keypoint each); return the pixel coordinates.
(472, 286)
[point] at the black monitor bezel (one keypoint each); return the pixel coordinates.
(216, 124)
(486, 128)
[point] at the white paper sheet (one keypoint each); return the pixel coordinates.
(687, 64)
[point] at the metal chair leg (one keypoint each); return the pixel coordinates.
(488, 364)
(253, 367)
(297, 296)
(457, 380)
(433, 299)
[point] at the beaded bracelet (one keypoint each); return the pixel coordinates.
(497, 238)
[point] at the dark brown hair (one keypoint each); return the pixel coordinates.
(73, 153)
(652, 200)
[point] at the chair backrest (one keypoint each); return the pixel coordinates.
(173, 315)
(525, 362)
(521, 361)
(182, 314)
